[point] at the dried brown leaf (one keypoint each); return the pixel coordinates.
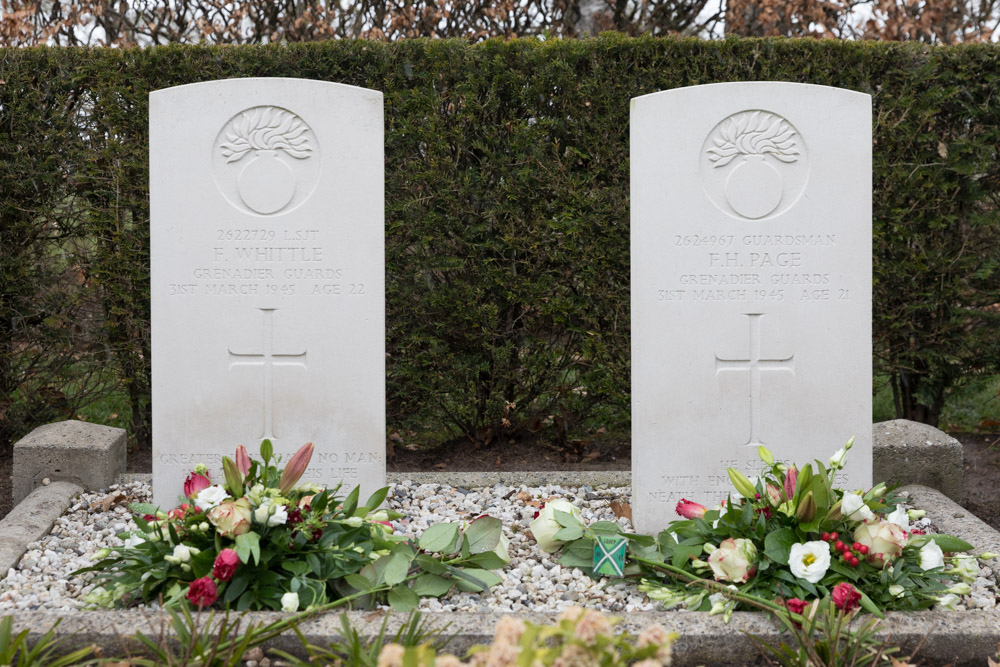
(621, 509)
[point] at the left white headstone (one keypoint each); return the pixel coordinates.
(267, 277)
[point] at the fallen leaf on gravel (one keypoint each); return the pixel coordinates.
(523, 496)
(621, 509)
(112, 499)
(440, 466)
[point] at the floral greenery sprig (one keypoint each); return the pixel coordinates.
(789, 535)
(261, 540)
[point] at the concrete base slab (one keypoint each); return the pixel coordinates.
(957, 638)
(32, 519)
(906, 452)
(87, 454)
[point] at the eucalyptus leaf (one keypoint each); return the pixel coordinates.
(951, 543)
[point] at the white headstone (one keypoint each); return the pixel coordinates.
(751, 286)
(266, 243)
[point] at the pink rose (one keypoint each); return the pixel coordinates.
(225, 565)
(846, 597)
(194, 483)
(884, 540)
(202, 592)
(231, 517)
(735, 560)
(690, 510)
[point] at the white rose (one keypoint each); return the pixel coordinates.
(290, 602)
(900, 518)
(854, 508)
(183, 553)
(931, 556)
(810, 560)
(278, 517)
(210, 496)
(545, 526)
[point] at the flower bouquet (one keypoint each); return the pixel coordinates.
(787, 538)
(260, 540)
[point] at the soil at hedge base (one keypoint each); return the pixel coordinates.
(982, 463)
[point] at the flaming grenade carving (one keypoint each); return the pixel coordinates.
(754, 140)
(267, 183)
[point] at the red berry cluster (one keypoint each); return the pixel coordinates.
(849, 553)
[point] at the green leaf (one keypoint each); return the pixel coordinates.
(778, 544)
(565, 519)
(488, 561)
(351, 501)
(683, 553)
(869, 606)
(484, 534)
(376, 499)
(951, 543)
(605, 528)
(296, 567)
(143, 508)
(440, 538)
(398, 564)
(247, 546)
(431, 585)
(401, 598)
(475, 580)
(569, 534)
(359, 583)
(430, 564)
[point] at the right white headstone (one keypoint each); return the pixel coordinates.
(751, 286)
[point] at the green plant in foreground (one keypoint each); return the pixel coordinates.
(15, 651)
(580, 637)
(352, 649)
(825, 639)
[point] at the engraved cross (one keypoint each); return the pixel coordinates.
(268, 359)
(755, 365)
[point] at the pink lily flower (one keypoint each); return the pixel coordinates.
(690, 510)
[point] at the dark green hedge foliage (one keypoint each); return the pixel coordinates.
(507, 211)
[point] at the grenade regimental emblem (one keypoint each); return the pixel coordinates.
(265, 144)
(747, 152)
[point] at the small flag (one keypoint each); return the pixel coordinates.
(609, 556)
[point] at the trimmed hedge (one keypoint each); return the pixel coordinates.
(506, 215)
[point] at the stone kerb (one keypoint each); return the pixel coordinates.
(943, 637)
(89, 455)
(907, 452)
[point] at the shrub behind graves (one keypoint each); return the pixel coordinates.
(506, 216)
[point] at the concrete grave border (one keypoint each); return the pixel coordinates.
(946, 637)
(963, 637)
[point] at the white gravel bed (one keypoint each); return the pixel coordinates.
(533, 580)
